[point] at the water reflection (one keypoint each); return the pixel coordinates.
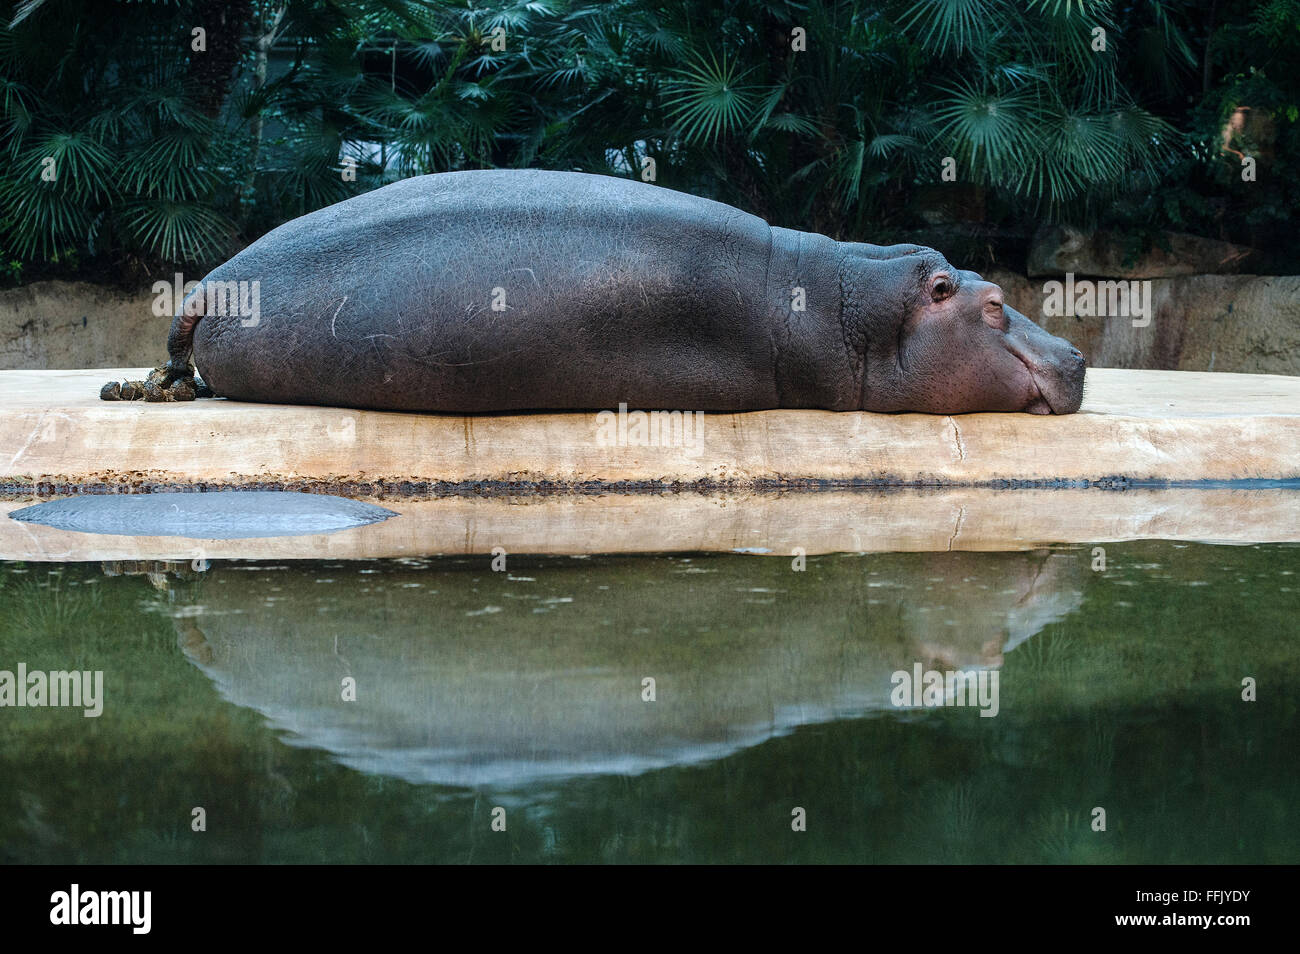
(467, 677)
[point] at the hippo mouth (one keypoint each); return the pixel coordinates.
(1039, 403)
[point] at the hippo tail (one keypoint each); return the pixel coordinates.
(176, 380)
(180, 339)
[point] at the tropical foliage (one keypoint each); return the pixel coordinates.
(131, 144)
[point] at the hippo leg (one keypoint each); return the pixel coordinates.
(174, 381)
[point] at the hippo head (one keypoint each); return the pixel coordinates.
(955, 346)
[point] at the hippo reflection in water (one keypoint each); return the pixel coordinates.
(466, 677)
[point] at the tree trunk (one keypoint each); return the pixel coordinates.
(269, 18)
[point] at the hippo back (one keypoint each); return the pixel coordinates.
(502, 290)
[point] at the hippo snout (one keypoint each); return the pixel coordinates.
(1067, 395)
(1056, 366)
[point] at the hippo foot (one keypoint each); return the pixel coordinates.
(166, 383)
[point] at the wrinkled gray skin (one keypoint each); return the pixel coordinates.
(614, 291)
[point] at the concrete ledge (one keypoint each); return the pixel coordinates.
(772, 524)
(1160, 426)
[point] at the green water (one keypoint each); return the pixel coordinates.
(524, 690)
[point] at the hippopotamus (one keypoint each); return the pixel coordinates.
(512, 290)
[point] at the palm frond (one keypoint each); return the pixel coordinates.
(707, 100)
(950, 25)
(176, 231)
(984, 126)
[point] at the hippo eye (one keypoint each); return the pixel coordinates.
(941, 287)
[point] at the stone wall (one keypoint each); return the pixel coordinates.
(1248, 323)
(59, 325)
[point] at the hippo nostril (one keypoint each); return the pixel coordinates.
(995, 315)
